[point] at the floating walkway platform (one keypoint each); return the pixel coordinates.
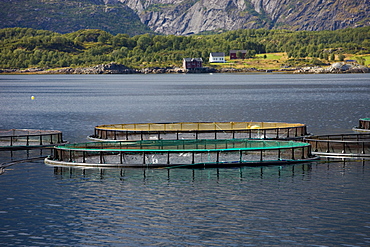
(181, 153)
(26, 139)
(199, 130)
(363, 125)
(343, 145)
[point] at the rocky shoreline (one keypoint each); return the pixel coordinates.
(335, 68)
(115, 68)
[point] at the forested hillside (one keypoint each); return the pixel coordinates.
(68, 16)
(24, 47)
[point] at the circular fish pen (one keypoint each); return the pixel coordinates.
(181, 153)
(344, 145)
(363, 125)
(198, 130)
(18, 139)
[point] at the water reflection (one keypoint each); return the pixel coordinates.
(275, 205)
(149, 175)
(303, 171)
(8, 156)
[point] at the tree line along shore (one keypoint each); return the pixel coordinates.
(26, 50)
(113, 68)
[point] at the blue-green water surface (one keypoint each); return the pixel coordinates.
(323, 203)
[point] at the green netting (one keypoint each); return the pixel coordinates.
(164, 153)
(184, 145)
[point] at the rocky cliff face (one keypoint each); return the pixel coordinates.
(183, 17)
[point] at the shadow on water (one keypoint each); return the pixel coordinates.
(216, 174)
(14, 157)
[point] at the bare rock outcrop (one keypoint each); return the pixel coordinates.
(111, 68)
(340, 67)
(182, 17)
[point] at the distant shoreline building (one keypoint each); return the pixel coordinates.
(234, 54)
(217, 57)
(192, 63)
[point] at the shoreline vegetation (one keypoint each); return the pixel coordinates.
(93, 51)
(114, 68)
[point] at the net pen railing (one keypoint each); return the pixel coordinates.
(341, 145)
(28, 138)
(202, 130)
(363, 125)
(186, 126)
(186, 152)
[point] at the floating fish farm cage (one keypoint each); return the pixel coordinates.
(343, 145)
(18, 139)
(363, 125)
(180, 153)
(199, 130)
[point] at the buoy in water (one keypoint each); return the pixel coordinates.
(32, 97)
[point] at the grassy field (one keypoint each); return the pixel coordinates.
(275, 61)
(272, 61)
(272, 56)
(356, 57)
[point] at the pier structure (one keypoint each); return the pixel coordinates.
(199, 130)
(181, 153)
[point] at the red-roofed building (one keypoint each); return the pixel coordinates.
(192, 63)
(234, 54)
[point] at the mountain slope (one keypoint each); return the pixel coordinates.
(195, 16)
(66, 16)
(182, 17)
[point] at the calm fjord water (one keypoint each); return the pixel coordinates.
(314, 204)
